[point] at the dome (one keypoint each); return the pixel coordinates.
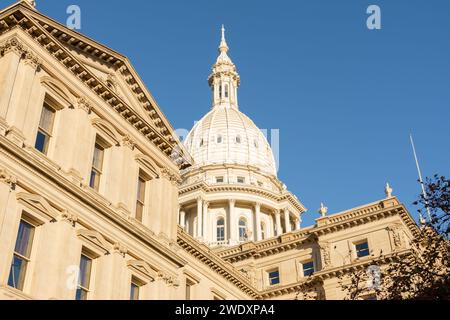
(227, 136)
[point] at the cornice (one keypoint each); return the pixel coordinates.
(201, 169)
(338, 222)
(14, 45)
(203, 186)
(320, 276)
(24, 158)
(50, 38)
(215, 263)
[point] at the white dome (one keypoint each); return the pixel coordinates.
(227, 136)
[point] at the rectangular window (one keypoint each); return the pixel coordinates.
(84, 277)
(308, 268)
(97, 166)
(274, 277)
(45, 128)
(21, 256)
(240, 179)
(140, 200)
(219, 179)
(362, 249)
(135, 286)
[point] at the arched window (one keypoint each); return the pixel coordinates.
(201, 143)
(220, 229)
(219, 138)
(263, 230)
(255, 142)
(226, 91)
(238, 139)
(242, 230)
(220, 90)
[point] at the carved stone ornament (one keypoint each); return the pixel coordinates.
(171, 176)
(397, 236)
(14, 45)
(127, 141)
(84, 104)
(170, 280)
(120, 249)
(69, 217)
(7, 178)
(388, 191)
(323, 210)
(326, 256)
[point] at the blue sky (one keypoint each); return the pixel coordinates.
(344, 98)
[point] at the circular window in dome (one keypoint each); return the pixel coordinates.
(255, 142)
(201, 143)
(219, 139)
(238, 139)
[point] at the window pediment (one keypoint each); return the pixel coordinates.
(148, 165)
(59, 90)
(38, 204)
(95, 240)
(143, 269)
(107, 131)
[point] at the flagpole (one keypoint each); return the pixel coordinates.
(420, 179)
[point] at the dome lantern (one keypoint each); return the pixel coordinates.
(224, 79)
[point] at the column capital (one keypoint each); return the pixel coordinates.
(258, 205)
(232, 202)
(199, 198)
(84, 104)
(206, 203)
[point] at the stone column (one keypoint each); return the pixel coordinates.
(278, 222)
(206, 230)
(21, 94)
(258, 222)
(9, 64)
(199, 218)
(182, 219)
(298, 223)
(232, 223)
(287, 221)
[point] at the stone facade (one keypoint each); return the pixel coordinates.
(101, 177)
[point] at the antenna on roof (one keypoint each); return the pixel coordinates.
(420, 180)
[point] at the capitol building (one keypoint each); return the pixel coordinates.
(100, 199)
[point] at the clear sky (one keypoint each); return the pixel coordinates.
(344, 98)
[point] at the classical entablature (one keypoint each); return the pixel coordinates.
(205, 188)
(56, 39)
(224, 258)
(223, 268)
(318, 278)
(337, 222)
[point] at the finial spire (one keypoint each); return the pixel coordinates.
(223, 43)
(388, 190)
(224, 79)
(323, 210)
